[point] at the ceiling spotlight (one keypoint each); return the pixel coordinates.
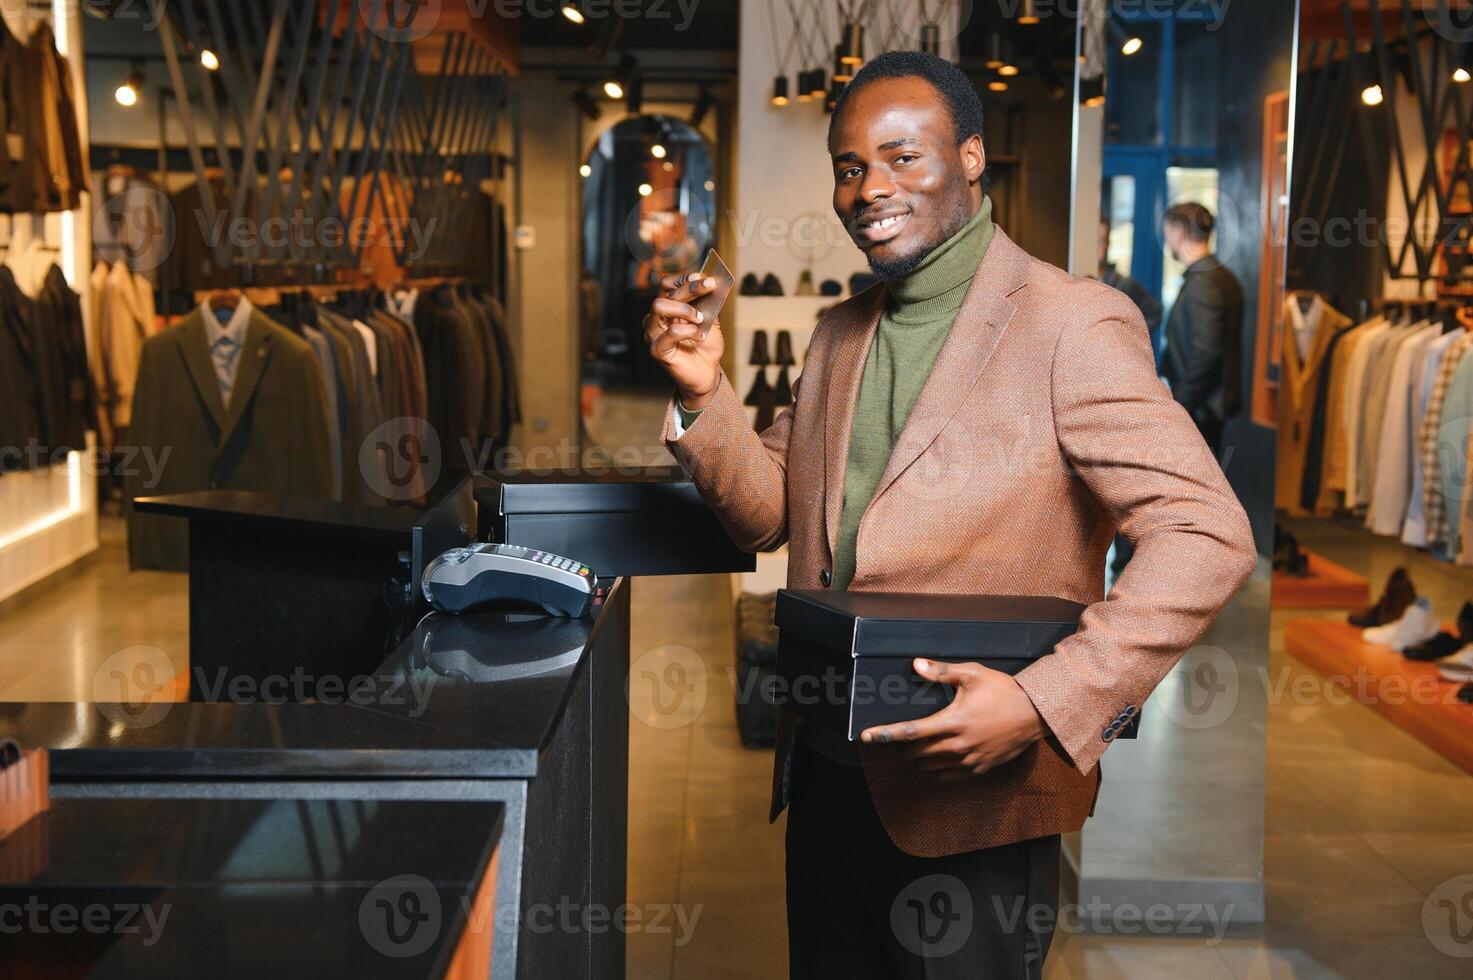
(572, 13)
(1028, 12)
(779, 90)
(997, 85)
(1132, 45)
(667, 166)
(1461, 76)
(658, 151)
(209, 60)
(1372, 95)
(584, 170)
(645, 190)
(710, 185)
(620, 83)
(127, 93)
(1007, 71)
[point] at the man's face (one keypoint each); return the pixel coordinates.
(902, 184)
(1175, 239)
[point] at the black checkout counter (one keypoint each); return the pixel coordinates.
(495, 732)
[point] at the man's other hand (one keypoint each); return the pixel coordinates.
(990, 721)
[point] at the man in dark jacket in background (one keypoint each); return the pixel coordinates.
(1204, 330)
(1149, 305)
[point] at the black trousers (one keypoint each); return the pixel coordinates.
(860, 907)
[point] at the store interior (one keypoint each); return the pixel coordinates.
(313, 271)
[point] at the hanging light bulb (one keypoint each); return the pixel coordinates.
(1028, 12)
(584, 170)
(779, 90)
(997, 85)
(843, 71)
(818, 85)
(851, 48)
(1372, 95)
(645, 190)
(658, 151)
(572, 13)
(209, 60)
(613, 89)
(931, 38)
(1132, 45)
(1461, 76)
(1008, 70)
(994, 51)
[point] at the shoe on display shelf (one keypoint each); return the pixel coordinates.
(1458, 668)
(1417, 624)
(1395, 598)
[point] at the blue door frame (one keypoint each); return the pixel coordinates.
(1148, 163)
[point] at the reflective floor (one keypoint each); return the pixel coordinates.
(1364, 824)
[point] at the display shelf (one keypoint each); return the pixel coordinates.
(1327, 586)
(1407, 693)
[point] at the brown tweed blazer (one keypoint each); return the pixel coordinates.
(1041, 429)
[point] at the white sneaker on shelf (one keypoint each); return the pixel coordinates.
(1458, 667)
(1417, 625)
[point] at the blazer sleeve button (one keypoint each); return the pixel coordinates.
(826, 577)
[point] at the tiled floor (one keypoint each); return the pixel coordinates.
(1363, 823)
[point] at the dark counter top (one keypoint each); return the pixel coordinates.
(476, 696)
(244, 889)
(304, 514)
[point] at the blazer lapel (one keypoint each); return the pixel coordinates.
(195, 347)
(984, 315)
(253, 357)
(851, 349)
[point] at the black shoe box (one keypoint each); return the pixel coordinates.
(845, 658)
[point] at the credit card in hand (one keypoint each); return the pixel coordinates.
(710, 304)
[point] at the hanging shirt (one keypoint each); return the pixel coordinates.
(1414, 528)
(1433, 502)
(225, 344)
(1390, 492)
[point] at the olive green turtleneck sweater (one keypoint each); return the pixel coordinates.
(917, 317)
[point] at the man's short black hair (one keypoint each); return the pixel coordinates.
(1194, 220)
(955, 88)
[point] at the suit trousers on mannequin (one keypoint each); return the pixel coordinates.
(860, 907)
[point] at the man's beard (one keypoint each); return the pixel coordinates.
(902, 266)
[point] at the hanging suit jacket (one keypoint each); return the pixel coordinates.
(1297, 396)
(1337, 443)
(60, 313)
(20, 404)
(126, 315)
(271, 438)
(41, 163)
(1041, 429)
(455, 380)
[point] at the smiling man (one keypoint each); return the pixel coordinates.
(979, 422)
